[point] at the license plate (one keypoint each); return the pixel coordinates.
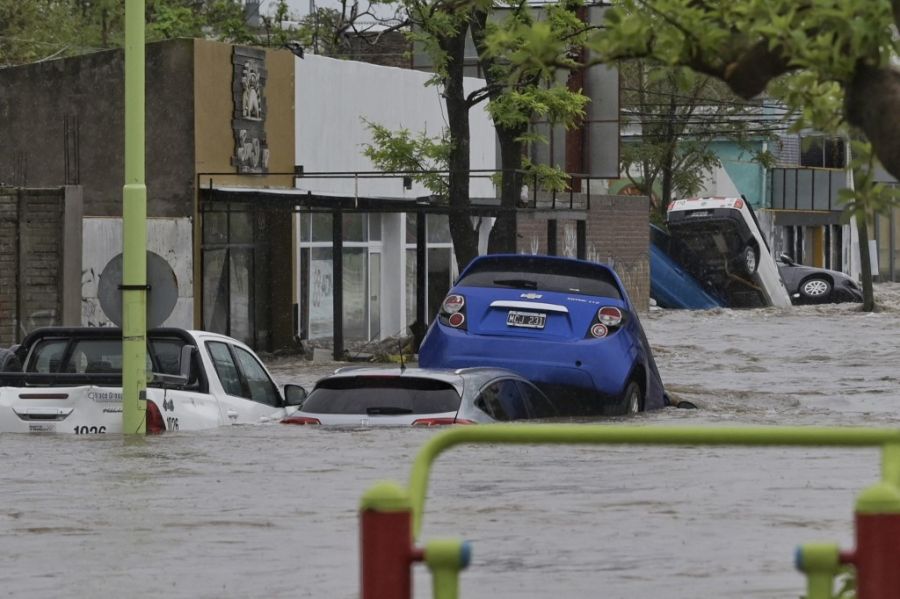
(528, 320)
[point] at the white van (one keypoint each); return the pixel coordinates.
(726, 251)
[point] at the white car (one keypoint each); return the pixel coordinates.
(68, 380)
(724, 249)
(400, 396)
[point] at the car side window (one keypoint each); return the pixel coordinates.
(538, 404)
(226, 369)
(501, 400)
(262, 389)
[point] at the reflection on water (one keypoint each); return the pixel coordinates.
(270, 511)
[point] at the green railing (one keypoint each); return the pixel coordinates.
(562, 434)
(878, 506)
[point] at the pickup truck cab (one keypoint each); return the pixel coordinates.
(727, 251)
(68, 380)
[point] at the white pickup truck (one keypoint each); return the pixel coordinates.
(68, 380)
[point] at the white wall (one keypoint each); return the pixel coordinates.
(171, 238)
(333, 96)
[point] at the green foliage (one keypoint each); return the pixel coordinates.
(424, 158)
(823, 40)
(679, 114)
(31, 30)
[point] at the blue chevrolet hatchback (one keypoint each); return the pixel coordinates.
(566, 325)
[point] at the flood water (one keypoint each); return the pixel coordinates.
(271, 510)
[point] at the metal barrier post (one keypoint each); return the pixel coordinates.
(445, 558)
(877, 554)
(386, 543)
(821, 563)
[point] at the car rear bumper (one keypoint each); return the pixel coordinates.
(599, 365)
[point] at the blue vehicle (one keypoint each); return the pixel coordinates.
(566, 325)
(671, 285)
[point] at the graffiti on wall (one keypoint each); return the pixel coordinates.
(251, 152)
(171, 238)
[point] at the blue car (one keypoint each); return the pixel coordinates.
(566, 325)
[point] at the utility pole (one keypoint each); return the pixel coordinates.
(134, 230)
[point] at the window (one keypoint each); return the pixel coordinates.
(524, 272)
(501, 401)
(822, 152)
(382, 395)
(48, 355)
(226, 369)
(537, 403)
(262, 389)
(361, 254)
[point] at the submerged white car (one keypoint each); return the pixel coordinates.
(724, 249)
(68, 380)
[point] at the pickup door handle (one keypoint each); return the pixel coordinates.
(232, 415)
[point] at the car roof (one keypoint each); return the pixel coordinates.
(534, 257)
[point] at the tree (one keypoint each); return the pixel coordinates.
(830, 61)
(680, 114)
(516, 94)
(32, 31)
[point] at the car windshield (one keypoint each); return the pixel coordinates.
(375, 395)
(543, 275)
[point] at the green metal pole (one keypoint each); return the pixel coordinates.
(134, 229)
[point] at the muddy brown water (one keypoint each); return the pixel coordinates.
(270, 510)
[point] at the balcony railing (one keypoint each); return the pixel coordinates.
(807, 188)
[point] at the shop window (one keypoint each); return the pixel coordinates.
(822, 152)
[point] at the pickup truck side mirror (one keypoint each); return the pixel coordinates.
(786, 259)
(294, 395)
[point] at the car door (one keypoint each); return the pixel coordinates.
(248, 394)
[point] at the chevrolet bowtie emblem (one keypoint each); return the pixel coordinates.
(531, 295)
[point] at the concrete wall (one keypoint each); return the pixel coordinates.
(39, 259)
(334, 97)
(62, 122)
(617, 233)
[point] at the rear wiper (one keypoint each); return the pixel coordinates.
(517, 283)
(385, 410)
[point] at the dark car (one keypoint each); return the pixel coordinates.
(812, 285)
(566, 325)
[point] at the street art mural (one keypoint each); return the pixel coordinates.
(251, 152)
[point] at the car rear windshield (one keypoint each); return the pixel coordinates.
(543, 275)
(382, 395)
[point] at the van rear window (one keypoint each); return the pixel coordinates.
(542, 275)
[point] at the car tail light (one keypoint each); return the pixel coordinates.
(155, 422)
(607, 321)
(453, 303)
(609, 316)
(453, 311)
(301, 420)
(441, 421)
(599, 331)
(739, 204)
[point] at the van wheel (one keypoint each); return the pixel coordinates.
(632, 399)
(749, 260)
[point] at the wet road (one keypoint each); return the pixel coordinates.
(270, 511)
